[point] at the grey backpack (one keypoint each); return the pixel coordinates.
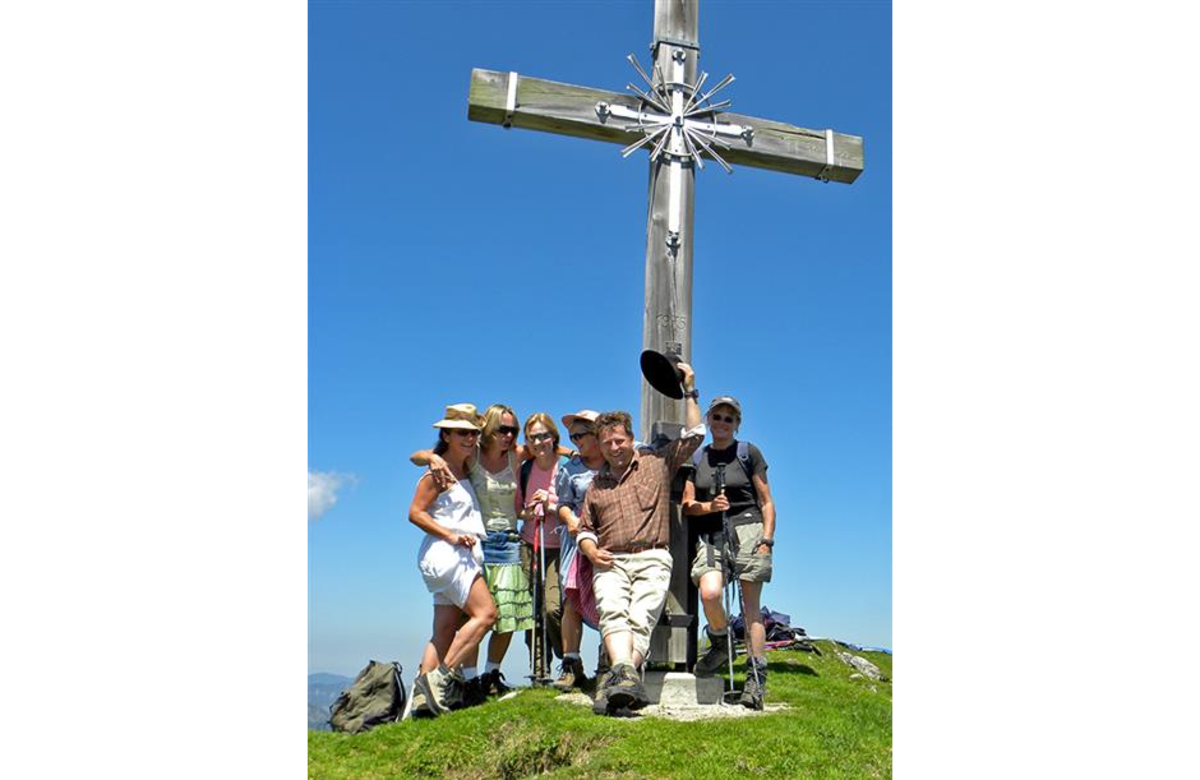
(376, 696)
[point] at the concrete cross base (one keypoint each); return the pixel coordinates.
(680, 689)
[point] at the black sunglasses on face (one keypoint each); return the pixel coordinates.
(465, 432)
(511, 430)
(578, 437)
(723, 419)
(540, 437)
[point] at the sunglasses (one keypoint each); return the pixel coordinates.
(511, 430)
(541, 437)
(578, 437)
(465, 432)
(721, 418)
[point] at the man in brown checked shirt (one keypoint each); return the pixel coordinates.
(625, 531)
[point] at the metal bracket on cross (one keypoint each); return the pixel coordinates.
(676, 119)
(510, 102)
(823, 176)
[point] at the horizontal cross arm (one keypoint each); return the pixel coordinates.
(566, 109)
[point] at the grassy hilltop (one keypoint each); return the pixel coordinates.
(834, 727)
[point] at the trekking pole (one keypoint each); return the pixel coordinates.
(546, 656)
(533, 568)
(719, 488)
(533, 648)
(746, 628)
(537, 650)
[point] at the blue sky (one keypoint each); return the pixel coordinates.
(454, 261)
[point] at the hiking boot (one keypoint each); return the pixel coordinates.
(640, 698)
(625, 690)
(416, 706)
(421, 698)
(453, 688)
(600, 701)
(474, 692)
(716, 657)
(756, 685)
(602, 669)
(493, 683)
(571, 675)
(441, 689)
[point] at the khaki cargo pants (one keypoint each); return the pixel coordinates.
(631, 594)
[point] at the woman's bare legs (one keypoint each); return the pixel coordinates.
(498, 646)
(446, 620)
(711, 586)
(755, 632)
(572, 628)
(481, 615)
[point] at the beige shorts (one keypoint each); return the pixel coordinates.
(748, 566)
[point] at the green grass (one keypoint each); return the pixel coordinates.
(835, 727)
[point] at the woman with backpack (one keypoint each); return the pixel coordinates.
(540, 540)
(728, 503)
(451, 563)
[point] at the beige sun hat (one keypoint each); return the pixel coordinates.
(586, 415)
(461, 416)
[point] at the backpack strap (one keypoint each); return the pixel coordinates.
(743, 457)
(526, 470)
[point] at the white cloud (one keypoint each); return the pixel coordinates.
(323, 487)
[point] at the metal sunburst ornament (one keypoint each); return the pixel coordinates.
(679, 120)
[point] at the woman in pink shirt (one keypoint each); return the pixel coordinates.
(536, 496)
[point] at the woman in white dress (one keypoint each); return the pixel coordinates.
(451, 563)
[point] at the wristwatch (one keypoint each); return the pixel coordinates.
(767, 542)
(693, 393)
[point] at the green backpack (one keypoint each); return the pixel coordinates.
(376, 696)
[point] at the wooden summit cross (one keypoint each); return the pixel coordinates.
(674, 118)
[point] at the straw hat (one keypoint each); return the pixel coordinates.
(584, 415)
(460, 416)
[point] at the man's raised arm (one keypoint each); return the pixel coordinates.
(678, 451)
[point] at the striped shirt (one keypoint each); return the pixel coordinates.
(631, 513)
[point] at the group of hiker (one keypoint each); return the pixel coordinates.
(588, 527)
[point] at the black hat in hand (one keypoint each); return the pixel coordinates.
(661, 372)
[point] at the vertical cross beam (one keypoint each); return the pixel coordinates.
(667, 323)
(667, 319)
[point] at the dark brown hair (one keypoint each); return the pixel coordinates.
(613, 419)
(443, 442)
